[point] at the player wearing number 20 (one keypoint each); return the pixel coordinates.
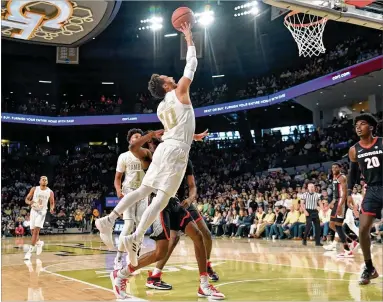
(368, 154)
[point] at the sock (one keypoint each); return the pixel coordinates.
(157, 205)
(369, 265)
(127, 270)
(119, 255)
(113, 217)
(156, 272)
(203, 278)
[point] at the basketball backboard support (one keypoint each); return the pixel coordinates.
(370, 15)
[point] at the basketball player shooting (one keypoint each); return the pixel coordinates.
(129, 165)
(169, 162)
(368, 155)
(38, 198)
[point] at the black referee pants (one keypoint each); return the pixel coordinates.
(313, 217)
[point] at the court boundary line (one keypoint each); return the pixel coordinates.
(95, 286)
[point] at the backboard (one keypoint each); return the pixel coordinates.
(367, 13)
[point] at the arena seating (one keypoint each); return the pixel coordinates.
(229, 177)
(343, 55)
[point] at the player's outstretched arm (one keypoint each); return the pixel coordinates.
(200, 136)
(136, 146)
(184, 83)
(28, 199)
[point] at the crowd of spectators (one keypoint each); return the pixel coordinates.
(78, 181)
(344, 54)
(235, 195)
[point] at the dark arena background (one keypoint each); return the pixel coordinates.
(75, 81)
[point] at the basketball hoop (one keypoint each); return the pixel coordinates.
(307, 30)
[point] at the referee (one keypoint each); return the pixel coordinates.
(310, 202)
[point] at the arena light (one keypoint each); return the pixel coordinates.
(107, 83)
(116, 140)
(154, 23)
(249, 8)
(170, 35)
(11, 92)
(205, 18)
(48, 138)
(218, 76)
(45, 82)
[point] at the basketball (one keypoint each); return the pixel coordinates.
(182, 15)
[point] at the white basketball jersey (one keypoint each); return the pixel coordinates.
(130, 165)
(178, 119)
(41, 198)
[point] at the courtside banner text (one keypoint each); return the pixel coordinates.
(281, 96)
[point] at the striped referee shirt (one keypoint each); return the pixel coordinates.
(311, 200)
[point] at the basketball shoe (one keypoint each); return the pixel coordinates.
(367, 275)
(155, 282)
(105, 226)
(354, 245)
(207, 290)
(345, 254)
(119, 282)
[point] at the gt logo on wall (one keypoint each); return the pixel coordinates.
(57, 22)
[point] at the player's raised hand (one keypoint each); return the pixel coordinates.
(200, 136)
(158, 133)
(186, 30)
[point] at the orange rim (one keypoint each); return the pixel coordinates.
(292, 13)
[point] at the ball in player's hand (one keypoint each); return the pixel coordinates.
(182, 15)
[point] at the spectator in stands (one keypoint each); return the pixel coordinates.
(19, 231)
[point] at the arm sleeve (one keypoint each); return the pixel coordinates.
(353, 175)
(191, 63)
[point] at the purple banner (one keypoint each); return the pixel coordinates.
(111, 202)
(288, 94)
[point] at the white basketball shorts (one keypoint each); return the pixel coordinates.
(168, 167)
(37, 219)
(136, 211)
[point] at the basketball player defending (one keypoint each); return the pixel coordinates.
(368, 154)
(169, 162)
(154, 280)
(173, 218)
(38, 198)
(338, 212)
(129, 165)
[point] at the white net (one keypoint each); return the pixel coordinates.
(307, 31)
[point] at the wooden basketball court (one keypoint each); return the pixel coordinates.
(76, 267)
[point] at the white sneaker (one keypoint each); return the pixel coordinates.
(330, 247)
(106, 231)
(345, 254)
(117, 263)
(119, 285)
(209, 291)
(354, 245)
(131, 247)
(28, 256)
(39, 247)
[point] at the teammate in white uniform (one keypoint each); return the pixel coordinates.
(169, 162)
(38, 198)
(129, 165)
